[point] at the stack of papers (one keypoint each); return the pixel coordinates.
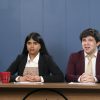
(82, 83)
(27, 82)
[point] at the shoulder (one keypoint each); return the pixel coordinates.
(21, 56)
(45, 57)
(77, 55)
(98, 52)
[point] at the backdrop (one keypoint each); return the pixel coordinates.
(60, 23)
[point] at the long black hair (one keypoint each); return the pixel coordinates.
(36, 37)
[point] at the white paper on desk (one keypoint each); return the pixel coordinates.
(89, 83)
(27, 82)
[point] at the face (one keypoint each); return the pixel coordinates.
(33, 47)
(89, 44)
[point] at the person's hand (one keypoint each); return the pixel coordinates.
(33, 78)
(23, 78)
(85, 78)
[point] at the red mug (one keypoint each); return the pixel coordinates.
(5, 77)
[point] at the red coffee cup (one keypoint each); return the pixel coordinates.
(5, 77)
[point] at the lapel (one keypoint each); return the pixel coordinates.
(80, 63)
(98, 64)
(41, 64)
(23, 63)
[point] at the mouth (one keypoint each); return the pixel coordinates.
(87, 48)
(31, 49)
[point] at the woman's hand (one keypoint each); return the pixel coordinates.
(30, 78)
(23, 78)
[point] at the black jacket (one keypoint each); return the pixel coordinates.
(47, 68)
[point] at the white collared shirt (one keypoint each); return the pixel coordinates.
(93, 64)
(34, 62)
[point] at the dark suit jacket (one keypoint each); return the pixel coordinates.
(76, 66)
(47, 69)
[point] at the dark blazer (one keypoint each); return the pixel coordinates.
(47, 69)
(76, 66)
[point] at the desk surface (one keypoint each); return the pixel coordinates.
(72, 91)
(51, 85)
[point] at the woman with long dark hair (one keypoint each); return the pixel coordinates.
(35, 64)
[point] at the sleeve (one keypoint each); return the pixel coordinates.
(13, 68)
(71, 75)
(55, 74)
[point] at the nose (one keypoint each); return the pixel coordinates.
(32, 45)
(87, 43)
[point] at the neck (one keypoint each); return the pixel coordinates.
(32, 56)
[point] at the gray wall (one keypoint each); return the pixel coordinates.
(58, 21)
